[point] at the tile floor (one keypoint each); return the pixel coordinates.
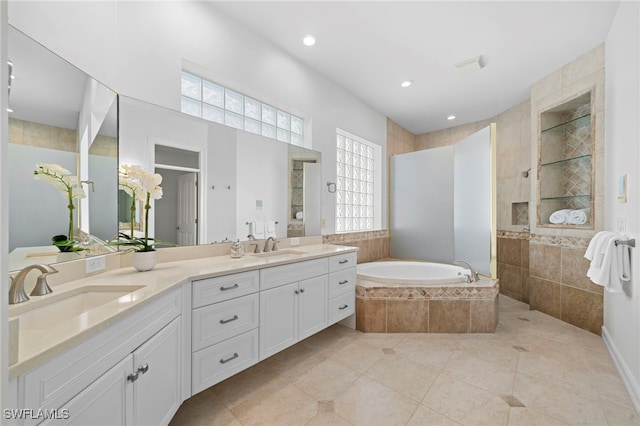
(535, 370)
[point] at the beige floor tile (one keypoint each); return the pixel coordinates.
(434, 353)
(528, 417)
(283, 406)
(296, 362)
(426, 416)
(204, 412)
(560, 400)
(553, 369)
(610, 389)
(382, 340)
(328, 419)
(358, 356)
(242, 386)
(326, 380)
(492, 349)
(367, 402)
(403, 375)
(478, 372)
(332, 339)
(465, 403)
(620, 415)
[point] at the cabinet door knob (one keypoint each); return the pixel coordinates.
(143, 368)
(133, 377)
(231, 287)
(343, 307)
(235, 317)
(297, 292)
(302, 290)
(231, 358)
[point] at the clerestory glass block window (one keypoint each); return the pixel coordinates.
(357, 183)
(219, 104)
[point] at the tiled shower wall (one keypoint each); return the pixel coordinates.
(513, 264)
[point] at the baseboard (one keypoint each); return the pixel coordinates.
(629, 381)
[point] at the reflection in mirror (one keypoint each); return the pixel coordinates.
(56, 110)
(245, 181)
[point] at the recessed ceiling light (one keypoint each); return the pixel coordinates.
(451, 117)
(309, 40)
(406, 83)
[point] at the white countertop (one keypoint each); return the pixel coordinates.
(36, 346)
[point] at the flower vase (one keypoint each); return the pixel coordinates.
(144, 260)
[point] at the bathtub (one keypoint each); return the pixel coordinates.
(405, 297)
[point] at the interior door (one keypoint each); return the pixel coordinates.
(187, 209)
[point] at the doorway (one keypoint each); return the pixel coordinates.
(176, 215)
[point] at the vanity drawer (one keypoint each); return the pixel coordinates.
(343, 261)
(293, 272)
(342, 282)
(214, 323)
(341, 307)
(218, 289)
(216, 363)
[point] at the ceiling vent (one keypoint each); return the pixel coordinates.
(470, 65)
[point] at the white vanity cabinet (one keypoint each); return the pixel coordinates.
(224, 327)
(342, 286)
(293, 304)
(129, 374)
(142, 389)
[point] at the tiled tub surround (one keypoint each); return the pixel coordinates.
(372, 245)
(513, 264)
(407, 308)
(558, 285)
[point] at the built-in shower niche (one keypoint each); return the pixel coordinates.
(565, 178)
(520, 214)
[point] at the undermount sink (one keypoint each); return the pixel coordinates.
(58, 308)
(285, 252)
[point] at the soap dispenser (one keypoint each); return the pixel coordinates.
(237, 250)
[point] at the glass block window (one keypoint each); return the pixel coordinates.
(357, 189)
(219, 104)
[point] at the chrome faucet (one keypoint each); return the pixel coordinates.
(16, 291)
(474, 276)
(273, 247)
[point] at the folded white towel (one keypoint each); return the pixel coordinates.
(578, 217)
(257, 230)
(560, 216)
(269, 229)
(591, 249)
(601, 274)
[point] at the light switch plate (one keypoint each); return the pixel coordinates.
(95, 264)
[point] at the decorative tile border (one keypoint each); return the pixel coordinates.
(513, 235)
(552, 240)
(429, 293)
(355, 236)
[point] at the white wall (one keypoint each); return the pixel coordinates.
(4, 217)
(149, 42)
(622, 156)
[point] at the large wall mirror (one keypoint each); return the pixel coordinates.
(59, 115)
(219, 184)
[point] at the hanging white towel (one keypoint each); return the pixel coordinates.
(257, 230)
(560, 216)
(610, 263)
(270, 229)
(578, 217)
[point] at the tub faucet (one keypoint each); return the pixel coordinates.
(474, 274)
(16, 291)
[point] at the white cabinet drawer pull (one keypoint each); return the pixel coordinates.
(343, 282)
(231, 287)
(235, 317)
(342, 262)
(343, 307)
(231, 358)
(143, 368)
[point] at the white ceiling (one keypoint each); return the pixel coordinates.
(369, 48)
